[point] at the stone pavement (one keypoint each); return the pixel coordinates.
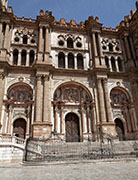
(72, 171)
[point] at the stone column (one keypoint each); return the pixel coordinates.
(19, 58)
(82, 120)
(27, 58)
(40, 38)
(132, 47)
(128, 123)
(116, 64)
(127, 47)
(9, 120)
(95, 50)
(38, 99)
(47, 44)
(100, 50)
(88, 121)
(110, 65)
(66, 61)
(90, 50)
(93, 121)
(75, 62)
(28, 122)
(1, 36)
(61, 121)
(101, 101)
(47, 100)
(2, 76)
(107, 101)
(56, 119)
(133, 119)
(6, 40)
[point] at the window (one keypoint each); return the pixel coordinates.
(23, 60)
(70, 60)
(120, 64)
(113, 64)
(110, 47)
(25, 39)
(15, 57)
(31, 57)
(61, 43)
(80, 61)
(61, 60)
(69, 43)
(107, 61)
(78, 44)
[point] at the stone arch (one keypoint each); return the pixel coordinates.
(120, 129)
(80, 61)
(19, 128)
(71, 63)
(23, 57)
(31, 57)
(70, 42)
(15, 56)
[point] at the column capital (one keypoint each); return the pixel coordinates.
(39, 77)
(46, 77)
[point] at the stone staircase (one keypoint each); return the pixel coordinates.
(60, 151)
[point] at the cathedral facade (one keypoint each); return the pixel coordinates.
(75, 80)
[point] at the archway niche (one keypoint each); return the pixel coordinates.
(119, 129)
(75, 99)
(72, 128)
(122, 105)
(19, 128)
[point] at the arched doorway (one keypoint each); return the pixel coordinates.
(119, 129)
(19, 128)
(72, 128)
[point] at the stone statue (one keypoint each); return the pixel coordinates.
(3, 3)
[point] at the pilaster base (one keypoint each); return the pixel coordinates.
(41, 129)
(108, 128)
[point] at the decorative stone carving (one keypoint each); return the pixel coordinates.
(2, 75)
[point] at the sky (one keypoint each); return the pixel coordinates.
(110, 12)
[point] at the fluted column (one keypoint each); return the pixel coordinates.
(101, 101)
(107, 101)
(9, 120)
(133, 117)
(6, 39)
(82, 120)
(127, 47)
(47, 44)
(39, 99)
(47, 100)
(129, 127)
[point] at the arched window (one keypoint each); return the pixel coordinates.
(15, 57)
(70, 60)
(31, 57)
(110, 47)
(23, 60)
(120, 64)
(107, 61)
(113, 64)
(61, 60)
(25, 39)
(69, 42)
(80, 61)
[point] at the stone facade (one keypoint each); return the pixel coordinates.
(76, 80)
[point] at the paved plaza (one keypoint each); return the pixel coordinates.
(79, 171)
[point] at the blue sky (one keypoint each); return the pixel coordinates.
(110, 12)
